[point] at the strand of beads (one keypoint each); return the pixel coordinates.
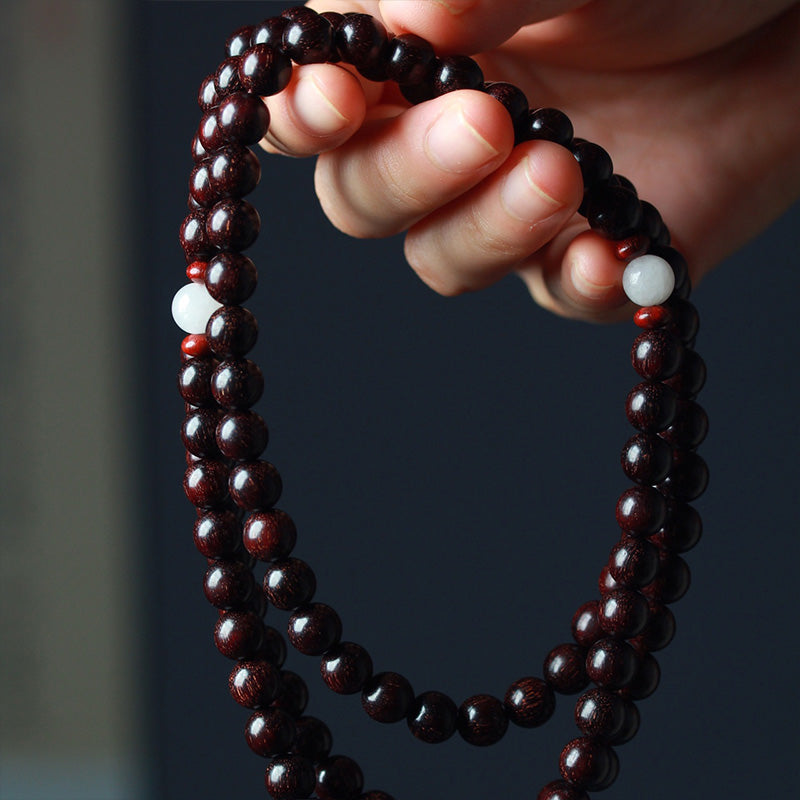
(235, 491)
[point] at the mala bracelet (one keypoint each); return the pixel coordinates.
(235, 491)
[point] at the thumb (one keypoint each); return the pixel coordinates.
(469, 26)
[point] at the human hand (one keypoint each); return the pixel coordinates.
(699, 108)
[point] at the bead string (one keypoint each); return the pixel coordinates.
(235, 492)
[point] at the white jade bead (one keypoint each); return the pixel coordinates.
(648, 280)
(192, 307)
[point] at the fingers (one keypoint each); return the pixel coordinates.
(394, 172)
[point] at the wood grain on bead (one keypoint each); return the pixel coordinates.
(255, 485)
(292, 694)
(564, 668)
(387, 697)
(529, 702)
(482, 720)
(270, 732)
(313, 738)
(339, 778)
(346, 668)
(433, 717)
(254, 684)
(269, 535)
(239, 634)
(290, 778)
(314, 628)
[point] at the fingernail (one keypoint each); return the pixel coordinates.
(454, 144)
(523, 198)
(314, 109)
(583, 285)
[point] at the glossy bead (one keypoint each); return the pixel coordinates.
(239, 41)
(289, 583)
(270, 32)
(241, 435)
(237, 384)
(231, 331)
(227, 77)
(313, 739)
(194, 239)
(641, 510)
(672, 582)
(656, 354)
(197, 432)
(648, 280)
(561, 790)
(315, 628)
(549, 124)
(307, 37)
(269, 535)
(411, 59)
(346, 668)
(254, 684)
(243, 118)
(564, 668)
(631, 246)
(232, 172)
(682, 529)
(586, 628)
(192, 307)
(452, 73)
(633, 562)
(600, 714)
(646, 458)
(432, 717)
(651, 406)
(611, 663)
(232, 225)
(255, 485)
(615, 212)
(587, 763)
(482, 720)
(606, 583)
(650, 317)
(515, 103)
(387, 697)
(362, 40)
(228, 584)
(231, 278)
(264, 70)
(205, 484)
(200, 188)
(270, 732)
(631, 725)
(290, 778)
(646, 680)
(199, 153)
(689, 427)
(623, 613)
(209, 133)
(688, 477)
(194, 381)
(238, 634)
(690, 378)
(595, 163)
(529, 702)
(292, 694)
(217, 534)
(339, 778)
(207, 96)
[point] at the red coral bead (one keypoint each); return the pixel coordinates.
(196, 271)
(652, 317)
(196, 344)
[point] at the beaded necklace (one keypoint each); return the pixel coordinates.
(235, 491)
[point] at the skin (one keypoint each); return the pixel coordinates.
(698, 104)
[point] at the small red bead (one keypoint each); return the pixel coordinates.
(652, 317)
(196, 271)
(632, 247)
(196, 345)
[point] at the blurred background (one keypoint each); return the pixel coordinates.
(452, 465)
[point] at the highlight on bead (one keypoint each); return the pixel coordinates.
(192, 307)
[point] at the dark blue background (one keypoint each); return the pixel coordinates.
(452, 466)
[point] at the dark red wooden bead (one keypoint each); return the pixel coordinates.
(633, 562)
(231, 278)
(243, 118)
(198, 432)
(237, 384)
(232, 225)
(586, 628)
(234, 171)
(241, 435)
(239, 41)
(346, 668)
(564, 668)
(270, 32)
(289, 583)
(205, 484)
(207, 96)
(200, 188)
(652, 224)
(623, 613)
(199, 153)
(631, 725)
(689, 428)
(452, 73)
(690, 377)
(641, 510)
(228, 584)
(255, 485)
(264, 70)
(313, 739)
(387, 697)
(482, 720)
(613, 211)
(209, 133)
(587, 763)
(611, 663)
(688, 477)
(362, 40)
(269, 535)
(274, 647)
(254, 684)
(227, 77)
(239, 634)
(432, 717)
(682, 528)
(646, 458)
(600, 714)
(561, 790)
(659, 631)
(292, 694)
(529, 702)
(651, 406)
(646, 680)
(606, 583)
(194, 381)
(652, 317)
(270, 732)
(307, 37)
(231, 332)
(684, 319)
(411, 59)
(679, 266)
(549, 124)
(672, 582)
(217, 534)
(314, 628)
(194, 237)
(290, 778)
(656, 354)
(595, 163)
(515, 103)
(339, 778)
